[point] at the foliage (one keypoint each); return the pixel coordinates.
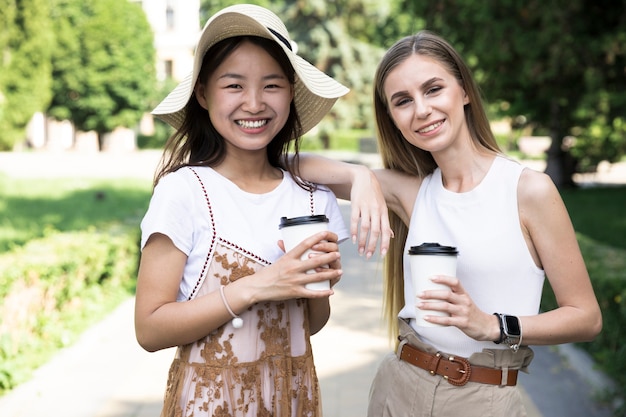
(25, 72)
(527, 56)
(604, 137)
(606, 266)
(68, 256)
(558, 64)
(209, 7)
(53, 288)
(598, 212)
(103, 64)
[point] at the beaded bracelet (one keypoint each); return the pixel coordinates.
(237, 321)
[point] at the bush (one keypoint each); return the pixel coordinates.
(53, 288)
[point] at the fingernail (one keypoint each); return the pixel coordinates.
(353, 239)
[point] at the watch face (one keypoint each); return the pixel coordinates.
(512, 325)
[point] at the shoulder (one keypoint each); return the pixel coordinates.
(539, 201)
(535, 187)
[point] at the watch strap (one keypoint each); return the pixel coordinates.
(501, 339)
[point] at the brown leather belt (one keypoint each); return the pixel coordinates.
(457, 370)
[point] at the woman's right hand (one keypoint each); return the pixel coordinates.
(369, 218)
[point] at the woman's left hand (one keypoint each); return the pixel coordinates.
(325, 247)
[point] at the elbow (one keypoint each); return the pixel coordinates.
(594, 328)
(148, 347)
(147, 343)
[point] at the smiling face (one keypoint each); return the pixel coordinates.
(426, 103)
(248, 98)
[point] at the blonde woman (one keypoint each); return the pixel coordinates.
(445, 180)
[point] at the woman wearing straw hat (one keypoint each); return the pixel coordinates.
(212, 279)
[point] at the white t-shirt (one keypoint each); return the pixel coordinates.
(194, 205)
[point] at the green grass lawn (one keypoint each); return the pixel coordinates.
(30, 207)
(599, 213)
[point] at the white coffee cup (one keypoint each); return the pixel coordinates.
(426, 260)
(296, 229)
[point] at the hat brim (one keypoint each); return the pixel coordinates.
(315, 93)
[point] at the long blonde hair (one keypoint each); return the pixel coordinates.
(398, 154)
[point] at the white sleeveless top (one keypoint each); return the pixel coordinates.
(494, 264)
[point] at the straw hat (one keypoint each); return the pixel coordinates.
(315, 92)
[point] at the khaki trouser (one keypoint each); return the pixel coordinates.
(400, 389)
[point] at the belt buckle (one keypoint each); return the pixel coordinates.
(465, 372)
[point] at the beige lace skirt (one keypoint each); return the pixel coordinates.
(265, 368)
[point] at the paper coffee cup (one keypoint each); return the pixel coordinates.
(296, 229)
(426, 260)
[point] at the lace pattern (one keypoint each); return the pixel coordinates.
(265, 368)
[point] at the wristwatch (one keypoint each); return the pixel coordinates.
(510, 331)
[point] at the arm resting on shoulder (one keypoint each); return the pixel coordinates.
(369, 216)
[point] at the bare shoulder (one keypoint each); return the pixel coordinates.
(536, 188)
(539, 200)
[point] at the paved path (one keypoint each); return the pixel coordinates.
(106, 374)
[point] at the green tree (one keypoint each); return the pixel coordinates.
(103, 65)
(559, 64)
(209, 7)
(324, 39)
(25, 72)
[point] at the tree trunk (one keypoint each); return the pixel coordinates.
(560, 164)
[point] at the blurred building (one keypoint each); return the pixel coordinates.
(176, 26)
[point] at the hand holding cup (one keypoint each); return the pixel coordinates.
(427, 260)
(294, 230)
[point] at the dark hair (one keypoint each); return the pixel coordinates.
(198, 143)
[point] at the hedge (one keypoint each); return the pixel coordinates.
(607, 269)
(53, 288)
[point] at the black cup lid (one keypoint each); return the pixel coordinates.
(295, 221)
(430, 248)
